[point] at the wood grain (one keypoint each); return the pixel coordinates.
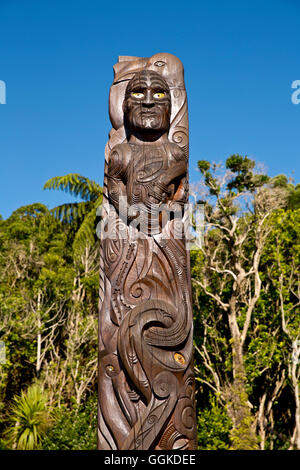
(146, 380)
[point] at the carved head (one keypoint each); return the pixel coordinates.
(147, 103)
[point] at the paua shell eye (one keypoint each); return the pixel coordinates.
(137, 94)
(179, 358)
(159, 63)
(110, 371)
(159, 95)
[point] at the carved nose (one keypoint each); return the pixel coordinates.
(148, 102)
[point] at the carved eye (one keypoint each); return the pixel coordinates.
(179, 358)
(159, 63)
(159, 95)
(110, 370)
(137, 94)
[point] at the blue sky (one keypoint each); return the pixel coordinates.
(240, 59)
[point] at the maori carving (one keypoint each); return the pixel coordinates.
(146, 380)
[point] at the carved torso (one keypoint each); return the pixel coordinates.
(144, 173)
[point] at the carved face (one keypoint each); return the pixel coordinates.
(147, 104)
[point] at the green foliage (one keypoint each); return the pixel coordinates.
(203, 166)
(86, 232)
(49, 297)
(29, 420)
(245, 229)
(244, 178)
(242, 436)
(3, 446)
(238, 164)
(77, 185)
(48, 313)
(74, 429)
(80, 215)
(293, 191)
(214, 427)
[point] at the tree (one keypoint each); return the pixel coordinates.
(48, 309)
(292, 191)
(27, 239)
(246, 301)
(82, 215)
(280, 268)
(227, 282)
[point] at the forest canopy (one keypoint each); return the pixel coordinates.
(246, 297)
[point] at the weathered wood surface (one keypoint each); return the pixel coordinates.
(146, 380)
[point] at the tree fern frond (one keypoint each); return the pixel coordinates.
(86, 234)
(77, 185)
(84, 213)
(69, 212)
(98, 201)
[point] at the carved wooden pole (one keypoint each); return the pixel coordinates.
(146, 380)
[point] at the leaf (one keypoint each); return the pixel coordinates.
(76, 185)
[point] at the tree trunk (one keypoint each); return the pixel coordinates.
(295, 441)
(39, 338)
(243, 436)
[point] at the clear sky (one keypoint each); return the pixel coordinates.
(240, 59)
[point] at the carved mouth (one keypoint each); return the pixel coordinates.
(148, 114)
